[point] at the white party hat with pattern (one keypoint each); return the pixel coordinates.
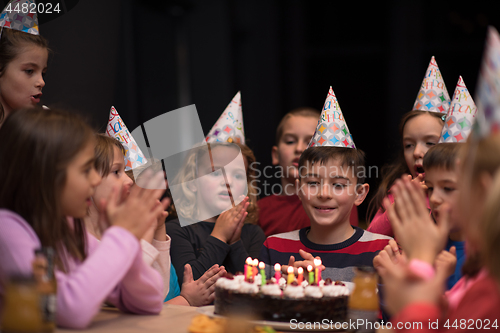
(460, 116)
(116, 129)
(432, 95)
(488, 88)
(229, 127)
(20, 15)
(332, 130)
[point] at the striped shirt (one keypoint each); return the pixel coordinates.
(339, 259)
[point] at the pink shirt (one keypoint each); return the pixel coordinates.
(113, 272)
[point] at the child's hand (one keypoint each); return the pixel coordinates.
(447, 261)
(308, 260)
(202, 291)
(402, 287)
(139, 211)
(419, 236)
(420, 180)
(390, 252)
(226, 226)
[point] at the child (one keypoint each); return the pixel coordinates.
(23, 63)
(420, 129)
(331, 181)
(47, 175)
(110, 164)
(283, 212)
(209, 183)
(226, 239)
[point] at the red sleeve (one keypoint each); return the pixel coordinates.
(416, 317)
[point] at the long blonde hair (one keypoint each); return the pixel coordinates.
(186, 204)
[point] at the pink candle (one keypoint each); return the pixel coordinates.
(300, 278)
(277, 272)
(248, 268)
(317, 264)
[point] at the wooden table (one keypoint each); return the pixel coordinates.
(172, 319)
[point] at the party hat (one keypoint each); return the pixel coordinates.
(332, 130)
(488, 88)
(433, 95)
(116, 129)
(229, 127)
(20, 15)
(460, 116)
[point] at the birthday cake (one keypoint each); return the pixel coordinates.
(279, 300)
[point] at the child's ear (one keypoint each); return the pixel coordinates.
(275, 156)
(192, 187)
(361, 193)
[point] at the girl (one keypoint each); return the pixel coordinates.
(226, 239)
(110, 164)
(23, 63)
(413, 290)
(419, 131)
(48, 179)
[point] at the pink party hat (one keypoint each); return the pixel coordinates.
(460, 116)
(20, 15)
(229, 127)
(332, 130)
(488, 88)
(116, 129)
(433, 95)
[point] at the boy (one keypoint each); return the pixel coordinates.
(282, 213)
(331, 182)
(441, 181)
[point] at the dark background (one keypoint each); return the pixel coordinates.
(150, 57)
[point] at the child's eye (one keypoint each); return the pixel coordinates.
(429, 189)
(312, 183)
(29, 71)
(339, 185)
(217, 173)
(431, 143)
(239, 176)
(449, 189)
(408, 145)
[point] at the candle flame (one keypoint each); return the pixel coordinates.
(309, 268)
(290, 270)
(262, 265)
(256, 262)
(249, 261)
(300, 270)
(317, 262)
(277, 267)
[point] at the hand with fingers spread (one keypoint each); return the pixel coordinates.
(417, 233)
(419, 180)
(228, 225)
(202, 291)
(308, 260)
(392, 253)
(139, 211)
(447, 261)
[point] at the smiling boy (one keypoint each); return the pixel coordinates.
(331, 182)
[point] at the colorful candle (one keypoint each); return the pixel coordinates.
(291, 276)
(255, 268)
(248, 268)
(317, 270)
(300, 278)
(262, 272)
(277, 272)
(311, 274)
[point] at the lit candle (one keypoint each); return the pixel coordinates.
(311, 274)
(317, 264)
(248, 268)
(277, 272)
(291, 276)
(300, 278)
(262, 272)
(255, 267)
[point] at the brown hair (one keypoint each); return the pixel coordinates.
(349, 157)
(11, 43)
(188, 172)
(481, 157)
(37, 146)
(302, 112)
(104, 153)
(393, 171)
(443, 155)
